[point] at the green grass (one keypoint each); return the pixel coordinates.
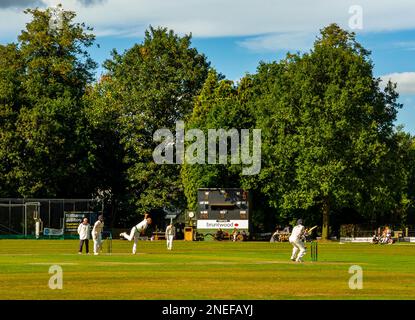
(204, 270)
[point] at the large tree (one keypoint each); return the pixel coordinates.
(11, 72)
(214, 108)
(404, 212)
(154, 85)
(223, 105)
(109, 169)
(328, 130)
(220, 105)
(47, 73)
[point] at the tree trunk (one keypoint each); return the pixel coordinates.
(114, 211)
(326, 218)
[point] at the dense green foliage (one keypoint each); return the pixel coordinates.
(219, 105)
(329, 144)
(149, 87)
(44, 151)
(328, 131)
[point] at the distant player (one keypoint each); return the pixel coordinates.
(296, 239)
(136, 231)
(170, 236)
(97, 234)
(235, 234)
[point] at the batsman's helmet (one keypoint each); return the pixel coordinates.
(299, 221)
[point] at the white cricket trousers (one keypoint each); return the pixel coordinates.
(298, 247)
(169, 242)
(97, 243)
(133, 235)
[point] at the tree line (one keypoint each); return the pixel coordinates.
(331, 152)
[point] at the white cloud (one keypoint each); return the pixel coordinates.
(88, 3)
(295, 41)
(285, 21)
(405, 81)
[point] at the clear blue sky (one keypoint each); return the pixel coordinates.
(236, 34)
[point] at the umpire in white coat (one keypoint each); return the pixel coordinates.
(83, 230)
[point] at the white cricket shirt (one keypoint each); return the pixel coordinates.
(297, 232)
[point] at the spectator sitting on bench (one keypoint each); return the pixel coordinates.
(235, 234)
(275, 235)
(386, 235)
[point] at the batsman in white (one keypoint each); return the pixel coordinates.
(296, 239)
(170, 236)
(136, 231)
(97, 234)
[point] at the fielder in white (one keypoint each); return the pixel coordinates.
(296, 239)
(97, 234)
(136, 231)
(170, 236)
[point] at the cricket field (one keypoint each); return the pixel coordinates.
(205, 270)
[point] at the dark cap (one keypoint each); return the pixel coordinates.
(299, 221)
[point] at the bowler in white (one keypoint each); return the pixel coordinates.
(136, 231)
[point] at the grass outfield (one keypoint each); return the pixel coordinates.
(204, 270)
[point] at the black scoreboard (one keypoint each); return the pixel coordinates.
(223, 208)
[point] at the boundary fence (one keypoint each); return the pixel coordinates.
(27, 218)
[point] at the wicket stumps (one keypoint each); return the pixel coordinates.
(107, 242)
(314, 250)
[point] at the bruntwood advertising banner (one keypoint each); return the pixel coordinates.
(223, 224)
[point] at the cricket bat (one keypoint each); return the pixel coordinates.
(311, 229)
